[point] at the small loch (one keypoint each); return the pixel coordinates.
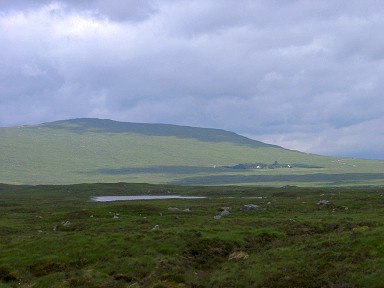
(140, 197)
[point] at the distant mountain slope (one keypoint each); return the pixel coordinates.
(83, 125)
(94, 150)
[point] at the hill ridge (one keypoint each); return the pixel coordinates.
(82, 125)
(89, 150)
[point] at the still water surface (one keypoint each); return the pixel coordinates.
(141, 197)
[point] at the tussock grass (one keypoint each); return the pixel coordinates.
(291, 241)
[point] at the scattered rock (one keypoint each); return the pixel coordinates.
(323, 202)
(217, 217)
(173, 209)
(187, 210)
(156, 227)
(115, 215)
(248, 207)
(62, 224)
(240, 255)
(65, 223)
(224, 213)
(224, 208)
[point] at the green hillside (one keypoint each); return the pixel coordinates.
(94, 150)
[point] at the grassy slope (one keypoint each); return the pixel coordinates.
(91, 150)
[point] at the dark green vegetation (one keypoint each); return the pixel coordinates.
(94, 150)
(53, 236)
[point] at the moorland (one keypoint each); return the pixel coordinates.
(106, 151)
(56, 236)
(266, 216)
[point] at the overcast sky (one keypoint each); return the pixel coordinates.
(305, 75)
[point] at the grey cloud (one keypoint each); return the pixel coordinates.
(17, 5)
(263, 68)
(361, 139)
(116, 10)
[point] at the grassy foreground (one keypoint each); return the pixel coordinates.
(54, 236)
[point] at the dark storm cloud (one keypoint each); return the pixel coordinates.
(306, 75)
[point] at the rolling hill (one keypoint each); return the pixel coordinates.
(94, 150)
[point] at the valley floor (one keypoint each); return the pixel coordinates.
(55, 236)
